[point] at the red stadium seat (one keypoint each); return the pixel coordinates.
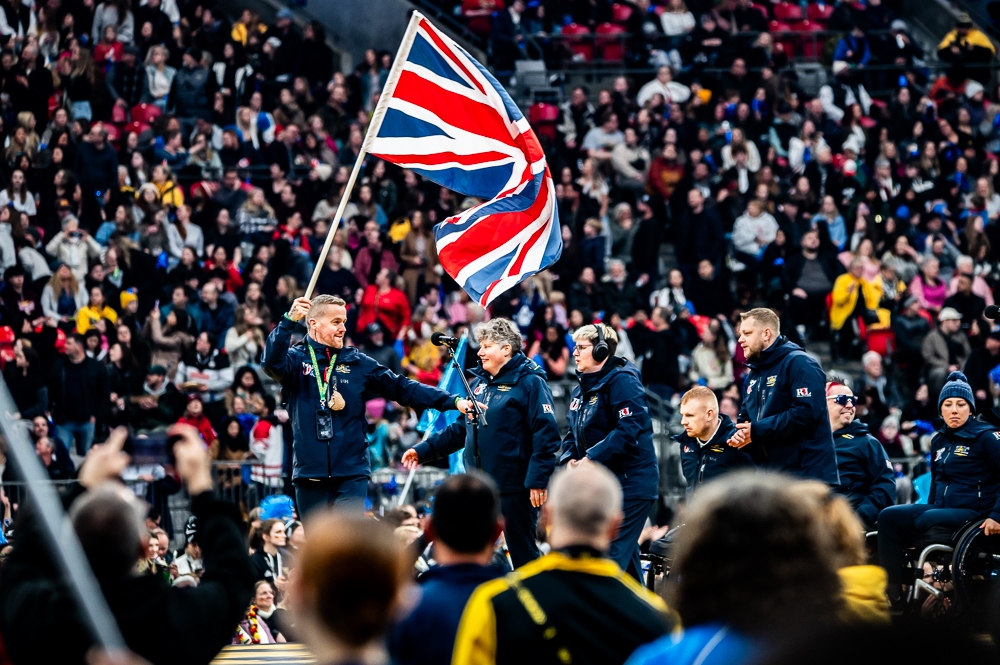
(114, 133)
(883, 342)
(146, 113)
(613, 46)
(819, 11)
(7, 335)
(809, 46)
(543, 118)
(763, 10)
(620, 13)
(786, 43)
(7, 355)
(788, 11)
(136, 126)
(577, 39)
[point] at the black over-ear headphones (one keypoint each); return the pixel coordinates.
(601, 349)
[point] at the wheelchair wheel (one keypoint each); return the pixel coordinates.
(975, 568)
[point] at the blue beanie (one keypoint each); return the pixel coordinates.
(957, 386)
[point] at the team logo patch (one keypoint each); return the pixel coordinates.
(750, 385)
(307, 369)
(593, 400)
(687, 449)
(888, 464)
(771, 380)
(938, 453)
(478, 390)
(343, 369)
(546, 408)
(575, 404)
(503, 389)
(717, 449)
(962, 451)
(802, 392)
(996, 435)
(624, 413)
(848, 436)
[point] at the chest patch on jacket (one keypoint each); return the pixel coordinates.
(478, 390)
(771, 380)
(962, 451)
(751, 385)
(503, 388)
(575, 404)
(307, 369)
(938, 454)
(593, 400)
(343, 369)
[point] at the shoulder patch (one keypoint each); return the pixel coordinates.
(625, 413)
(546, 408)
(307, 369)
(996, 435)
(802, 392)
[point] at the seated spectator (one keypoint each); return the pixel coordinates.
(205, 372)
(63, 297)
(583, 511)
(809, 277)
(73, 246)
(96, 314)
(930, 290)
(966, 44)
(621, 293)
(26, 380)
(968, 304)
(664, 84)
(853, 296)
(945, 349)
(551, 352)
(600, 142)
(384, 303)
(803, 590)
(711, 362)
(373, 257)
(257, 626)
(158, 404)
(752, 232)
(245, 386)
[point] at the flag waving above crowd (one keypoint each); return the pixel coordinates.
(448, 119)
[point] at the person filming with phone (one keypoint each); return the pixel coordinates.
(324, 384)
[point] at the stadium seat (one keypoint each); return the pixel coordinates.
(809, 45)
(620, 13)
(786, 43)
(788, 12)
(819, 11)
(763, 10)
(7, 336)
(543, 118)
(612, 47)
(882, 342)
(146, 113)
(114, 133)
(136, 126)
(578, 41)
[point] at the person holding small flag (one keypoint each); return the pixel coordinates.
(323, 382)
(609, 423)
(518, 443)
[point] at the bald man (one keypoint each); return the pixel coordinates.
(704, 453)
(569, 591)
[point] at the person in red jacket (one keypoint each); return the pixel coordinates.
(194, 415)
(383, 302)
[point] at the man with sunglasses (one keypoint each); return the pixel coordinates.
(866, 476)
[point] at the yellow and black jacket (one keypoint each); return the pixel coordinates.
(571, 606)
(974, 46)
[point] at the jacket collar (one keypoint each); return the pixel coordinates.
(856, 428)
(773, 353)
(346, 354)
(595, 380)
(510, 372)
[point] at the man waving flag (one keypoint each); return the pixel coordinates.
(443, 115)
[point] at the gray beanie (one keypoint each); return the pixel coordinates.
(957, 386)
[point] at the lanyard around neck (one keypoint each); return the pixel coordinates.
(322, 383)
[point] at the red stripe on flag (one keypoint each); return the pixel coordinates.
(456, 110)
(446, 50)
(439, 158)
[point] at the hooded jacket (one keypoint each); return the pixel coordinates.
(356, 375)
(784, 397)
(518, 445)
(609, 423)
(703, 463)
(965, 468)
(866, 476)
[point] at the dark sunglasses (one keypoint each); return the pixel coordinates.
(844, 400)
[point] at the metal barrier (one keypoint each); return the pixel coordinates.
(234, 483)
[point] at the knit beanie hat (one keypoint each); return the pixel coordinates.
(957, 386)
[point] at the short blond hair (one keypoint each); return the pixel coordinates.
(839, 518)
(765, 317)
(321, 302)
(589, 334)
(702, 393)
(500, 331)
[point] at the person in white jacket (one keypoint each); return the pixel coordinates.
(665, 85)
(267, 444)
(753, 231)
(74, 247)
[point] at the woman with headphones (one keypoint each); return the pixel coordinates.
(609, 423)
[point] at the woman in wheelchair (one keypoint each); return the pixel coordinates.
(965, 482)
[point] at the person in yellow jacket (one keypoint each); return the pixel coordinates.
(96, 310)
(169, 193)
(965, 44)
(846, 291)
(574, 605)
(862, 586)
(247, 23)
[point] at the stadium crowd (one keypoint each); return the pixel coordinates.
(169, 176)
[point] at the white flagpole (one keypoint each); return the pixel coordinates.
(373, 126)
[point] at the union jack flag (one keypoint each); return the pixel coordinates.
(443, 115)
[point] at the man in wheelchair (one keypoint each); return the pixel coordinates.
(867, 480)
(965, 484)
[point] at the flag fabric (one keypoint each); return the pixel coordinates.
(443, 115)
(433, 421)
